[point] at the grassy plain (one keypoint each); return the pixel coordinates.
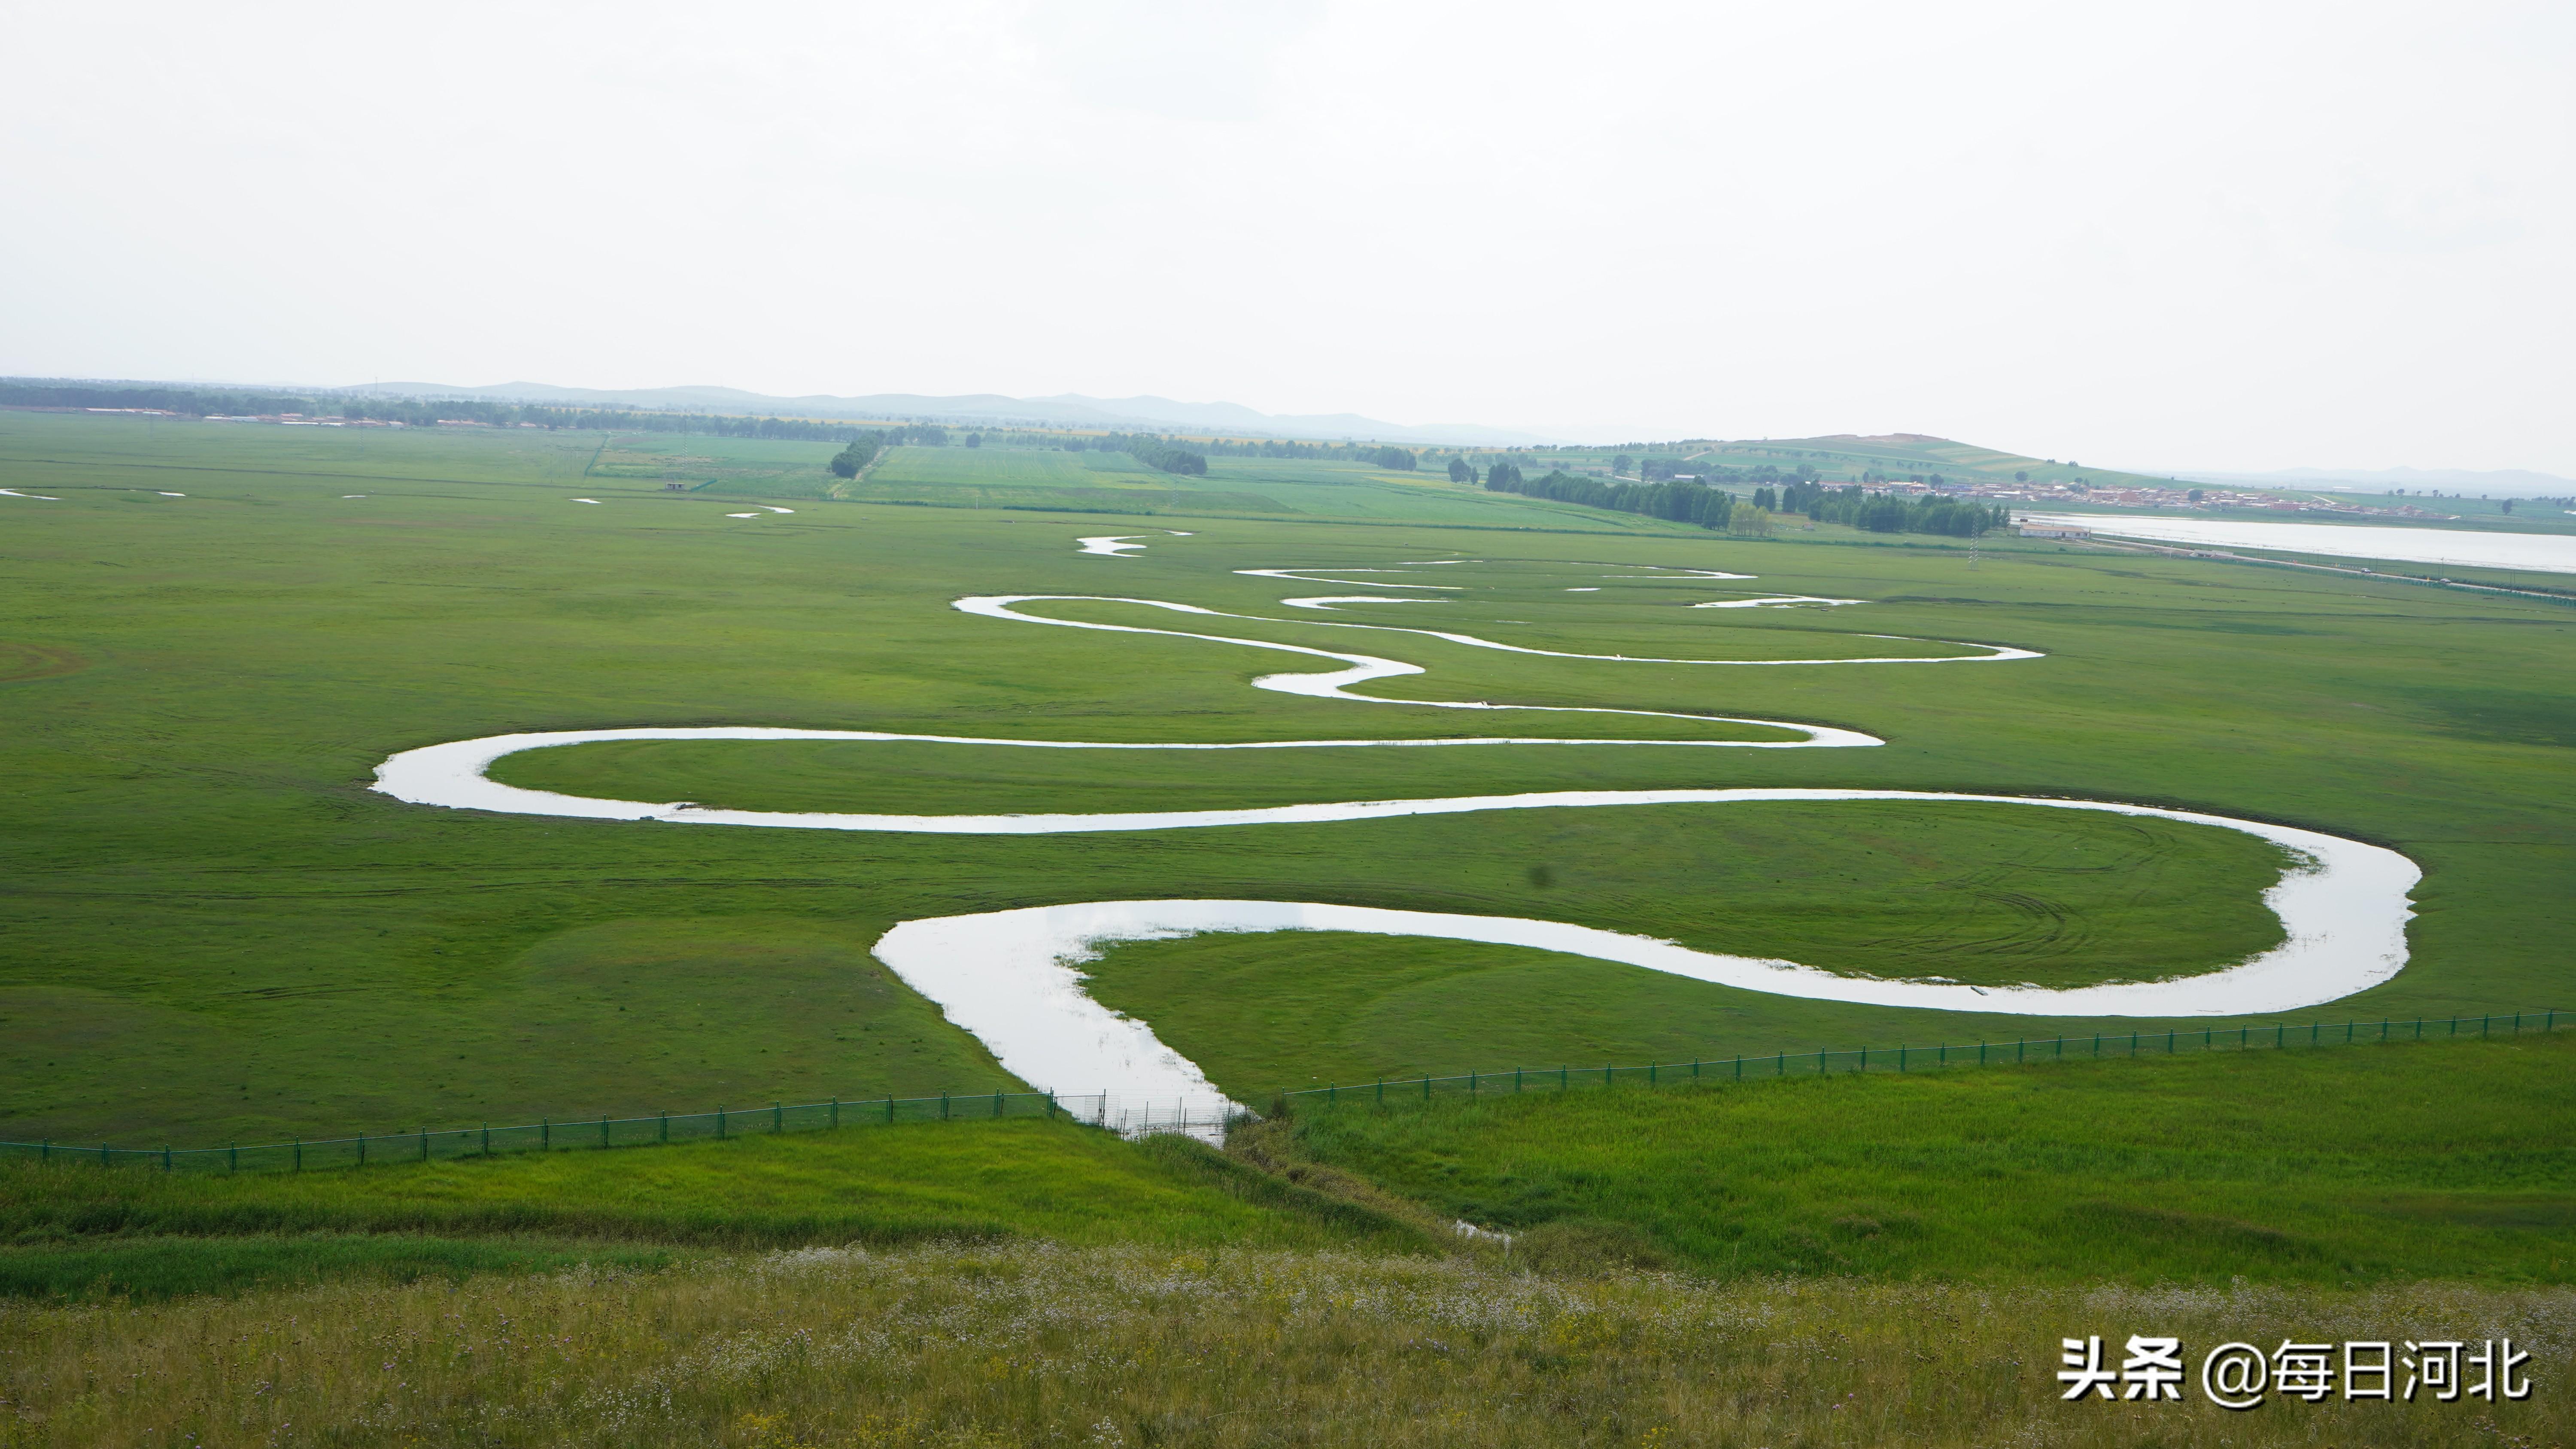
(214, 931)
(198, 878)
(2329, 1166)
(879, 1185)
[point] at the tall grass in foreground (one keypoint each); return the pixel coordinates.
(1131, 1346)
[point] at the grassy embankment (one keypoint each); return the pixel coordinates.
(199, 879)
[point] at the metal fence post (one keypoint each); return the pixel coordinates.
(777, 1117)
(232, 1158)
(836, 1108)
(1426, 1086)
(1471, 1084)
(299, 1154)
(943, 1105)
(487, 1139)
(720, 1121)
(997, 1104)
(889, 1111)
(424, 1144)
(165, 1153)
(666, 1126)
(603, 1129)
(362, 1153)
(1900, 1058)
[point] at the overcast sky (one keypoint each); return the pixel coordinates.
(2174, 235)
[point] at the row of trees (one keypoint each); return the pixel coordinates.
(1690, 501)
(1155, 453)
(429, 412)
(860, 453)
(1857, 507)
(1683, 502)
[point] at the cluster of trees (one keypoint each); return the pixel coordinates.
(1154, 452)
(1757, 475)
(861, 452)
(1857, 507)
(1683, 502)
(1399, 459)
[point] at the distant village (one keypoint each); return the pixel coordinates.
(2042, 494)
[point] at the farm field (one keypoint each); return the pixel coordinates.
(216, 931)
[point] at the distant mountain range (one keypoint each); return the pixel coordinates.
(989, 409)
(2501, 483)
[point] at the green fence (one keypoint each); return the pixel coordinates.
(1100, 1109)
(1944, 1056)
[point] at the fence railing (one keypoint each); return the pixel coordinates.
(1206, 1118)
(1943, 1056)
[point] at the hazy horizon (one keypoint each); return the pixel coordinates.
(2303, 236)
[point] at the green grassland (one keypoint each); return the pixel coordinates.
(1093, 482)
(882, 1185)
(2333, 1166)
(198, 878)
(214, 931)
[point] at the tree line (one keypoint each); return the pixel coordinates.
(1154, 452)
(429, 412)
(1857, 507)
(1682, 502)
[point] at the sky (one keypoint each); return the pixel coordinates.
(2182, 235)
